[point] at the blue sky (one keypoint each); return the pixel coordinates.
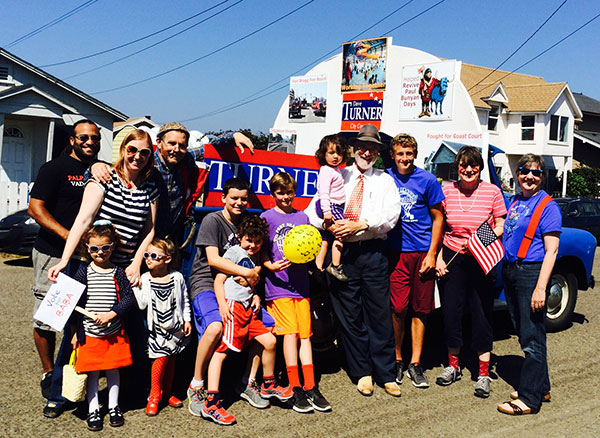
(473, 31)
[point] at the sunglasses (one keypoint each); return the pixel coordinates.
(535, 172)
(144, 153)
(84, 138)
(96, 248)
(465, 165)
(154, 256)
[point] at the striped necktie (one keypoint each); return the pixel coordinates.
(355, 203)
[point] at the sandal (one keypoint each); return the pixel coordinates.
(515, 409)
(546, 397)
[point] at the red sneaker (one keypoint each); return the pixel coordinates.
(152, 407)
(277, 391)
(175, 402)
(218, 414)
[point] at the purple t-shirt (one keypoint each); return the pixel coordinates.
(418, 191)
(293, 281)
(517, 221)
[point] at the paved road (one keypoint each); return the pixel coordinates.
(435, 412)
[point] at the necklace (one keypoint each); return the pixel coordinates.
(474, 199)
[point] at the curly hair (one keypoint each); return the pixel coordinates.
(253, 226)
(340, 147)
(405, 141)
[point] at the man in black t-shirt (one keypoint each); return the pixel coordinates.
(54, 203)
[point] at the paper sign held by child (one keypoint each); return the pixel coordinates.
(59, 302)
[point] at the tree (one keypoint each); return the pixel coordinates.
(584, 182)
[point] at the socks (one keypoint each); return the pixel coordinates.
(113, 382)
(484, 368)
(212, 398)
(293, 377)
(309, 376)
(196, 383)
(92, 391)
(268, 381)
(159, 367)
(453, 360)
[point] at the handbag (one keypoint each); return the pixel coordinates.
(73, 384)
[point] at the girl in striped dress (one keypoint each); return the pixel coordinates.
(101, 342)
(164, 296)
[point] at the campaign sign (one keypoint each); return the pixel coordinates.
(359, 109)
(258, 169)
(59, 302)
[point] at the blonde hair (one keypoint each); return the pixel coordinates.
(136, 134)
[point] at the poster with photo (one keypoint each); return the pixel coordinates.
(282, 140)
(364, 64)
(427, 91)
(359, 109)
(308, 99)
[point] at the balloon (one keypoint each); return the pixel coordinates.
(302, 244)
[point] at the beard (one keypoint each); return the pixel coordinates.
(364, 164)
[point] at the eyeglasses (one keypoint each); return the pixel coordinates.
(154, 256)
(96, 248)
(465, 165)
(144, 152)
(535, 172)
(84, 138)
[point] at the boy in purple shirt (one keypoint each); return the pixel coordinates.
(286, 293)
(413, 244)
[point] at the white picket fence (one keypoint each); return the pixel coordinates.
(14, 196)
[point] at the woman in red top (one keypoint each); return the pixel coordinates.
(469, 202)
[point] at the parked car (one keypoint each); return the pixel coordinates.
(17, 233)
(581, 213)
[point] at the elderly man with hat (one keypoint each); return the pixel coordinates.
(362, 304)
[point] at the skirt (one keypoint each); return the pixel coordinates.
(106, 353)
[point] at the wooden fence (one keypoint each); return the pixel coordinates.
(14, 196)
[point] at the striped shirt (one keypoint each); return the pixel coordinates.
(464, 213)
(128, 210)
(101, 297)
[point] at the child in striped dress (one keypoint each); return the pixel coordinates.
(101, 343)
(163, 293)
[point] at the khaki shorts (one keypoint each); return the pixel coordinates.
(41, 263)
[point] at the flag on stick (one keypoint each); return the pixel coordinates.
(486, 247)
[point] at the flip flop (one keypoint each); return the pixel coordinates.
(546, 397)
(516, 409)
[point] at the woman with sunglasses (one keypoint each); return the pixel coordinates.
(128, 201)
(531, 236)
(469, 203)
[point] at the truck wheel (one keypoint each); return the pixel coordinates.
(561, 301)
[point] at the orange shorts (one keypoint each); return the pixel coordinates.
(244, 326)
(106, 353)
(292, 316)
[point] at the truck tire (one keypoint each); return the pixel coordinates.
(561, 301)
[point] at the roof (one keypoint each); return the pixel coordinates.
(525, 93)
(135, 121)
(14, 91)
(590, 137)
(117, 114)
(587, 104)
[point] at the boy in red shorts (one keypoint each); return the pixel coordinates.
(413, 245)
(238, 306)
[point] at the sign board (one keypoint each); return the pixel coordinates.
(359, 109)
(364, 64)
(59, 302)
(258, 169)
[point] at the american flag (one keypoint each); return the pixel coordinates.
(486, 247)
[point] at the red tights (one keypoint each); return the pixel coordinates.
(163, 370)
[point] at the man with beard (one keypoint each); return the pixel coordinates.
(54, 202)
(362, 304)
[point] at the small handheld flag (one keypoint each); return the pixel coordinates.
(486, 247)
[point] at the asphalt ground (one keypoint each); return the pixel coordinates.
(435, 412)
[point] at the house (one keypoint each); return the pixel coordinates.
(524, 113)
(586, 146)
(37, 111)
(121, 129)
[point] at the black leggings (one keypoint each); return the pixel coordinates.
(466, 284)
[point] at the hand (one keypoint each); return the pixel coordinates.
(101, 172)
(428, 265)
(187, 328)
(241, 140)
(281, 265)
(538, 298)
(255, 303)
(241, 281)
(441, 268)
(225, 313)
(344, 228)
(133, 275)
(74, 340)
(104, 317)
(253, 277)
(56, 269)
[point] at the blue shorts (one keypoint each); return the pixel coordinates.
(266, 317)
(337, 210)
(206, 311)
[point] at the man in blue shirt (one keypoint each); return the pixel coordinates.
(413, 245)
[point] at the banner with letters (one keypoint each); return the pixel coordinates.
(360, 109)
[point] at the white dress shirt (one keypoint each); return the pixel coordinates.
(380, 206)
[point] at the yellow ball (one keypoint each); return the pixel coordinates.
(302, 244)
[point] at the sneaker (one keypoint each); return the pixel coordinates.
(301, 403)
(46, 384)
(218, 414)
(53, 410)
(316, 399)
(115, 417)
(94, 421)
(277, 391)
(337, 272)
(251, 394)
(196, 400)
(417, 375)
(482, 387)
(449, 376)
(399, 372)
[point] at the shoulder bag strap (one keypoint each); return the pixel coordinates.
(533, 224)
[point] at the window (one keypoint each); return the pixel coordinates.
(558, 128)
(527, 127)
(4, 73)
(493, 118)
